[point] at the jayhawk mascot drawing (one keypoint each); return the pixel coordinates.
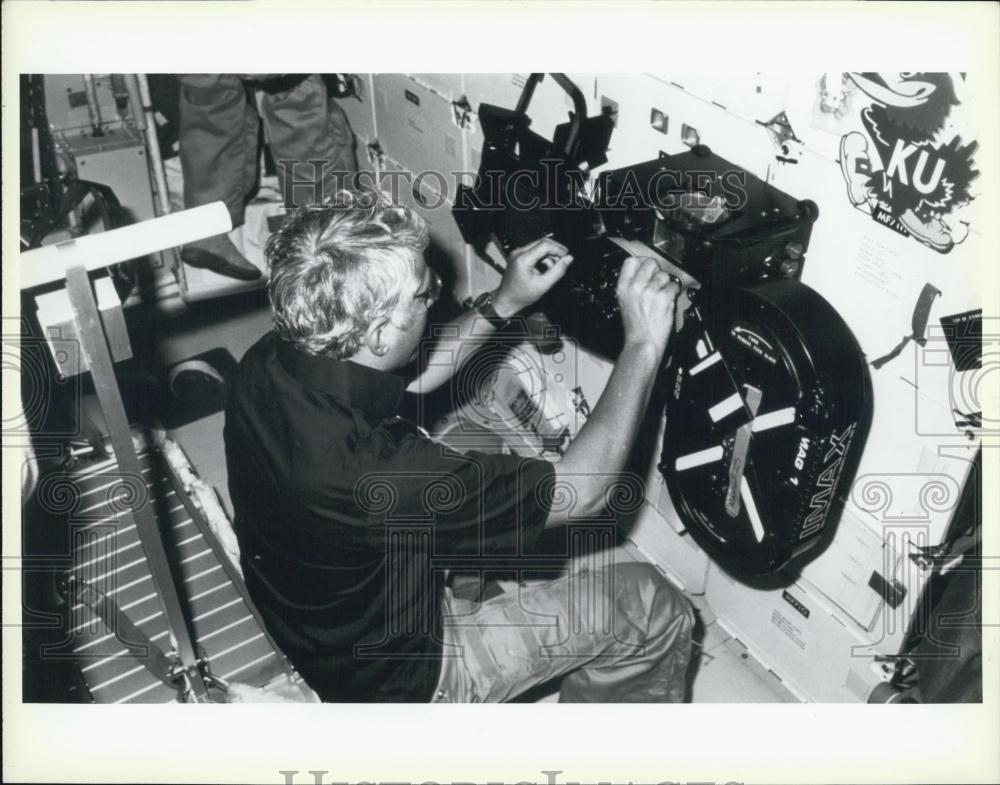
(909, 170)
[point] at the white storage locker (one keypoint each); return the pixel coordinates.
(844, 572)
(737, 139)
(499, 89)
(753, 95)
(448, 86)
(793, 631)
(416, 127)
(634, 138)
(661, 538)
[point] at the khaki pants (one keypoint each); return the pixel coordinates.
(619, 634)
(219, 144)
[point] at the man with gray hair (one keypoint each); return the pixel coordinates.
(348, 516)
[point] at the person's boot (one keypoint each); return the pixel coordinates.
(219, 255)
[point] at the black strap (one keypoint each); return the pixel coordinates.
(95, 349)
(140, 645)
(76, 191)
(110, 211)
(918, 324)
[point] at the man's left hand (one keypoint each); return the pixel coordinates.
(531, 272)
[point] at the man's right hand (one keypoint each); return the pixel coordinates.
(531, 271)
(646, 296)
(594, 460)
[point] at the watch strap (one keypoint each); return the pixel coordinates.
(484, 306)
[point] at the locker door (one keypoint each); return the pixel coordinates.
(448, 86)
(416, 127)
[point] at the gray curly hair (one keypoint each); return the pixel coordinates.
(338, 266)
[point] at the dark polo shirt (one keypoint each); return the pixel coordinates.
(346, 514)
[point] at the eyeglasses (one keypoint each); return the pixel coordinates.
(430, 295)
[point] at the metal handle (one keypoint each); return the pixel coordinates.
(94, 251)
(574, 92)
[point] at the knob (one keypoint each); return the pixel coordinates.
(794, 251)
(789, 268)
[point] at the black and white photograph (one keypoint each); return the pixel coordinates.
(669, 389)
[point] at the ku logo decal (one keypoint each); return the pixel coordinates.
(909, 170)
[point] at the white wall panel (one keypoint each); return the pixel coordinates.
(360, 111)
(795, 632)
(736, 139)
(752, 95)
(416, 126)
(449, 86)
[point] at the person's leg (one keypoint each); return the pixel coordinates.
(622, 634)
(303, 125)
(218, 152)
(218, 141)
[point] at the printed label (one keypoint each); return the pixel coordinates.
(826, 482)
(800, 459)
(754, 343)
(795, 604)
(785, 625)
(964, 334)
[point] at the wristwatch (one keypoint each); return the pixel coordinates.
(484, 305)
